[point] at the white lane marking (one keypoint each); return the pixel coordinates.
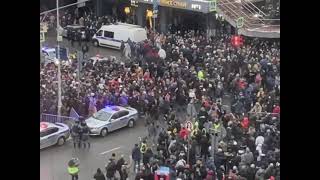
(110, 150)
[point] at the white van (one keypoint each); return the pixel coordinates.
(112, 35)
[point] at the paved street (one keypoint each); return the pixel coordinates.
(51, 41)
(53, 160)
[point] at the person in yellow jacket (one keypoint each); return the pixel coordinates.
(216, 127)
(73, 170)
(143, 147)
(194, 132)
(200, 75)
(196, 125)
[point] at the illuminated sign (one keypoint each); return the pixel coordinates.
(134, 3)
(213, 5)
(196, 6)
(174, 3)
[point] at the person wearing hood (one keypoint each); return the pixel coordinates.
(99, 175)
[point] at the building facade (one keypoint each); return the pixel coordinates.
(190, 14)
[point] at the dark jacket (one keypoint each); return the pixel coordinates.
(111, 169)
(99, 176)
(136, 154)
(120, 163)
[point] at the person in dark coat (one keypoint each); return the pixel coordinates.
(136, 157)
(99, 175)
(147, 156)
(122, 49)
(75, 129)
(202, 116)
(85, 135)
(251, 171)
(111, 170)
(120, 162)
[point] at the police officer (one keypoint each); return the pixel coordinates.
(85, 135)
(143, 147)
(81, 128)
(75, 134)
(73, 169)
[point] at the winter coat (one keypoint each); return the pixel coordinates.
(111, 170)
(245, 123)
(119, 164)
(247, 158)
(183, 133)
(99, 176)
(260, 174)
(136, 154)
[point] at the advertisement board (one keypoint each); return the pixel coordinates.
(174, 3)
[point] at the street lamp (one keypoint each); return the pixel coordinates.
(59, 38)
(127, 10)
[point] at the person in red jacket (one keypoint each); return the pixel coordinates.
(210, 175)
(276, 109)
(183, 133)
(245, 123)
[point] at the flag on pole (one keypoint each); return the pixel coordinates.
(74, 114)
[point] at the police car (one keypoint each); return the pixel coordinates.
(110, 119)
(49, 54)
(51, 134)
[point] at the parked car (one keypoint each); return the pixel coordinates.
(53, 134)
(110, 119)
(73, 28)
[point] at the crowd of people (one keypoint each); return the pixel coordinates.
(183, 71)
(271, 8)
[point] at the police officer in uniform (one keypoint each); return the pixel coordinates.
(81, 128)
(143, 147)
(85, 135)
(75, 129)
(73, 169)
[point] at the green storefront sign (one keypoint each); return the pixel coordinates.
(240, 22)
(213, 6)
